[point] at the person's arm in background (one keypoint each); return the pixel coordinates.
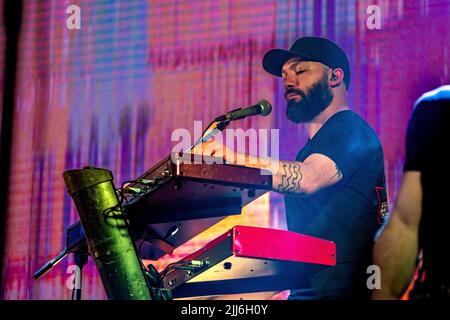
(396, 248)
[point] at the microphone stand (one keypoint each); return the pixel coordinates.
(262, 108)
(76, 244)
(80, 258)
(49, 265)
(220, 126)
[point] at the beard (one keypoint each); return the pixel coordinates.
(312, 103)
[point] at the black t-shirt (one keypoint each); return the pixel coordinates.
(349, 212)
(427, 149)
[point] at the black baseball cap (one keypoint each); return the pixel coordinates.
(309, 49)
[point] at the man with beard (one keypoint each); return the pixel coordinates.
(335, 188)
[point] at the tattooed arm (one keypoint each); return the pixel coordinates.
(316, 172)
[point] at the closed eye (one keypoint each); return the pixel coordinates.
(300, 71)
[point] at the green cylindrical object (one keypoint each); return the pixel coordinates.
(94, 195)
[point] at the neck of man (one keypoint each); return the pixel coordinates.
(338, 104)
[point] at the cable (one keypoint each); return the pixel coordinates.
(171, 266)
(148, 183)
(183, 265)
(122, 186)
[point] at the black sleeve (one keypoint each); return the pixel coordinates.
(416, 137)
(349, 144)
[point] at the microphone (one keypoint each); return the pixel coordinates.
(263, 108)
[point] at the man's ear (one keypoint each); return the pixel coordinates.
(337, 76)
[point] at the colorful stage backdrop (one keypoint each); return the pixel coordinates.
(110, 94)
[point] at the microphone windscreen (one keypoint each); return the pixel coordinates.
(266, 107)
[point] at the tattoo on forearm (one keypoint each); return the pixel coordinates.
(291, 177)
(338, 173)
